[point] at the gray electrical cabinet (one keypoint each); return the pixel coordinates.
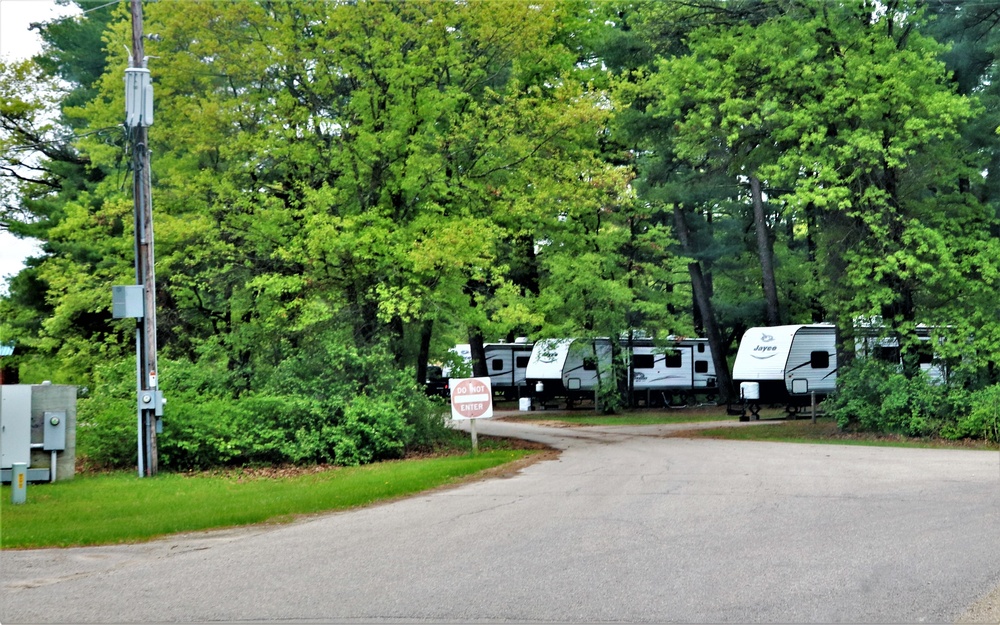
(127, 301)
(54, 430)
(15, 425)
(38, 428)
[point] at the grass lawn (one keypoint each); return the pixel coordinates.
(825, 431)
(698, 414)
(123, 508)
(774, 427)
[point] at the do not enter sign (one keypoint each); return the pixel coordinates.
(471, 398)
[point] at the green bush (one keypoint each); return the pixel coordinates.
(107, 420)
(329, 403)
(876, 397)
(982, 419)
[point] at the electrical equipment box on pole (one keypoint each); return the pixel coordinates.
(138, 97)
(152, 400)
(127, 301)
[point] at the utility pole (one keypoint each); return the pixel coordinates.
(139, 116)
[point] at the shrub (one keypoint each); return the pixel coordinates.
(329, 403)
(106, 435)
(982, 418)
(875, 396)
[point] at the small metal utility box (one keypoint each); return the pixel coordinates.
(54, 424)
(127, 301)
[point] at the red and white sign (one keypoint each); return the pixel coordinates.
(471, 398)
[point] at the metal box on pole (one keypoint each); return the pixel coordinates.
(127, 301)
(138, 97)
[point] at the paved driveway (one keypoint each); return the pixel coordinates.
(627, 525)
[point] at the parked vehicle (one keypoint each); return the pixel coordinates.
(792, 364)
(786, 364)
(436, 384)
(661, 376)
(573, 370)
(567, 369)
(868, 343)
(506, 364)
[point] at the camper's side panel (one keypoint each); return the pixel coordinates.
(812, 362)
(585, 361)
(887, 349)
(522, 354)
(500, 365)
(658, 368)
(507, 363)
(703, 369)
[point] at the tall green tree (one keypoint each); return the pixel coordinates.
(848, 120)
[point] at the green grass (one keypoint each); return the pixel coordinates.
(630, 418)
(123, 508)
(825, 431)
(800, 430)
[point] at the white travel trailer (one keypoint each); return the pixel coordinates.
(869, 344)
(575, 369)
(506, 364)
(661, 373)
(568, 369)
(786, 364)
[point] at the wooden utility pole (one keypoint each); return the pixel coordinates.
(148, 394)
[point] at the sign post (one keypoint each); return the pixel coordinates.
(471, 398)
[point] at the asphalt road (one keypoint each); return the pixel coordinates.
(627, 525)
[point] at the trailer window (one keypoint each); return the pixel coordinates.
(701, 366)
(497, 364)
(590, 363)
(819, 360)
(887, 354)
(701, 348)
(522, 361)
(925, 354)
(673, 360)
(643, 361)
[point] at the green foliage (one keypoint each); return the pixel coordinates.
(106, 428)
(329, 403)
(982, 419)
(330, 179)
(874, 396)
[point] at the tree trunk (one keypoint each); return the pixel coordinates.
(424, 353)
(704, 301)
(765, 250)
(478, 352)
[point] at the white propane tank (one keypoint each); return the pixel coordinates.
(750, 391)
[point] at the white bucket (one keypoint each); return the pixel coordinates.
(524, 403)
